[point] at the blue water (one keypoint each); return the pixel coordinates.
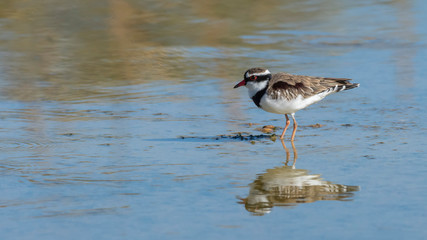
(119, 121)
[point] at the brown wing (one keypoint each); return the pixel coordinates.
(290, 86)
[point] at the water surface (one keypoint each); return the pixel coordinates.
(119, 120)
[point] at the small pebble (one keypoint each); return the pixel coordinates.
(317, 125)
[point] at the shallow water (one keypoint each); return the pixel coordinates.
(119, 121)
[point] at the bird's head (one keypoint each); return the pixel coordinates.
(254, 78)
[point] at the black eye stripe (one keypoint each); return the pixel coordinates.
(259, 78)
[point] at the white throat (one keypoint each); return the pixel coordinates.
(254, 87)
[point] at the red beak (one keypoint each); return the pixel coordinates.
(242, 83)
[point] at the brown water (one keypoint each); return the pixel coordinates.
(119, 120)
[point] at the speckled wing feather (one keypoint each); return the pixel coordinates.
(290, 86)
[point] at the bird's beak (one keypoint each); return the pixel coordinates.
(242, 83)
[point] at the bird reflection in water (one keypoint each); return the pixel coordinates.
(286, 186)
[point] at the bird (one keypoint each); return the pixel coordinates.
(285, 93)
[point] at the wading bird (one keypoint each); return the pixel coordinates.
(285, 93)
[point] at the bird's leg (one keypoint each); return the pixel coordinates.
(286, 126)
(295, 127)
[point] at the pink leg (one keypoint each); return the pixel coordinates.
(295, 127)
(286, 126)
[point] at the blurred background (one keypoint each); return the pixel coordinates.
(118, 120)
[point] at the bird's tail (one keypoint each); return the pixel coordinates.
(351, 86)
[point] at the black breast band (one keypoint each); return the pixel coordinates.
(257, 97)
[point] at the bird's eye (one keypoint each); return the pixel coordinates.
(253, 78)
